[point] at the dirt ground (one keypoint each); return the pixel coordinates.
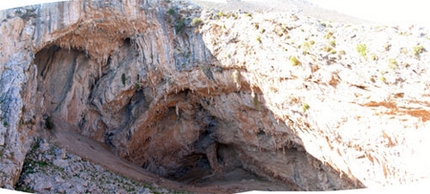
(65, 136)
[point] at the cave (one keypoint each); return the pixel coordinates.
(218, 132)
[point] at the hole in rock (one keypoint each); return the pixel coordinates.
(203, 135)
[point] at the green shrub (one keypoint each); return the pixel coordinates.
(259, 39)
(196, 22)
(305, 47)
(383, 80)
(392, 63)
(333, 43)
(256, 102)
(179, 25)
(332, 51)
(220, 15)
(387, 47)
(362, 50)
(328, 35)
(123, 79)
(305, 107)
(418, 50)
(294, 61)
(171, 11)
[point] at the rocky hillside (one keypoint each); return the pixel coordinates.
(191, 95)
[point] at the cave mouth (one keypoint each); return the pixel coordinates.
(201, 136)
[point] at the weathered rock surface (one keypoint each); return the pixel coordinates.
(188, 93)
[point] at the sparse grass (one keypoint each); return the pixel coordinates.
(362, 50)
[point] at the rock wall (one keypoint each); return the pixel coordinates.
(184, 92)
(354, 94)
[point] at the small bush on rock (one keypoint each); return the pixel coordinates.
(196, 22)
(362, 50)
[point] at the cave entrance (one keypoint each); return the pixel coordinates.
(192, 136)
(186, 144)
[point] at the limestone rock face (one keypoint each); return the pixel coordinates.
(187, 93)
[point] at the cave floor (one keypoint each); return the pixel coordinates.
(238, 180)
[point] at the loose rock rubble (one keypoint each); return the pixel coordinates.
(49, 169)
